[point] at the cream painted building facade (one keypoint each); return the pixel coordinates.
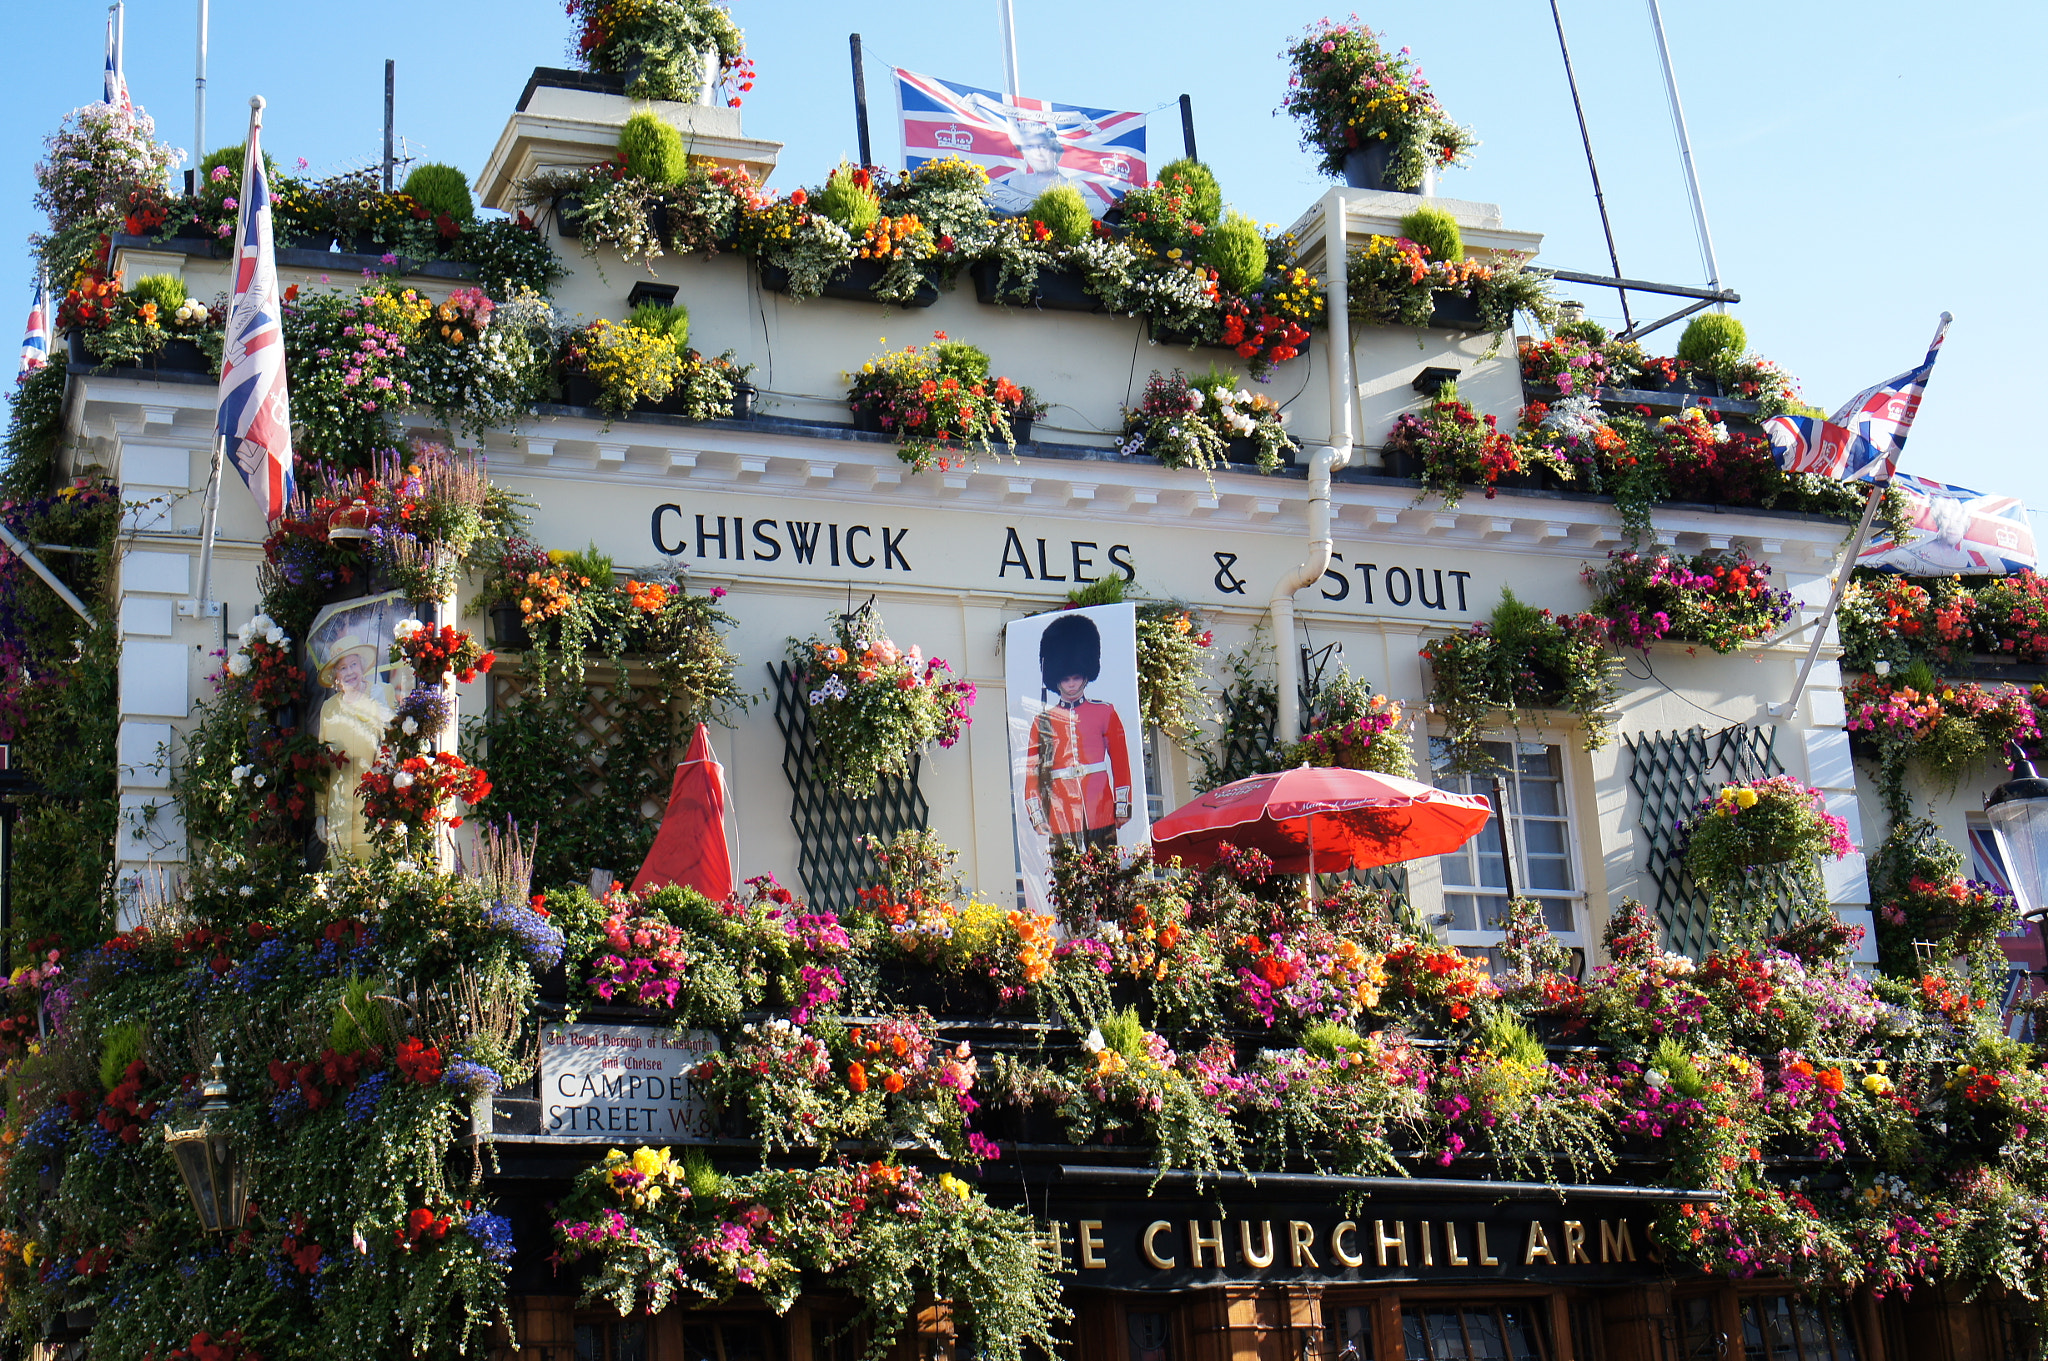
(800, 521)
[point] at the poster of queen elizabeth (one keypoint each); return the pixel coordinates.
(359, 689)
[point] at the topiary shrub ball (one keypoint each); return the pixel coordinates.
(1436, 231)
(849, 199)
(440, 189)
(1236, 250)
(1198, 182)
(1064, 213)
(1586, 329)
(653, 149)
(1712, 340)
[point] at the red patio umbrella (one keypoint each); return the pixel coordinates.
(690, 848)
(1322, 818)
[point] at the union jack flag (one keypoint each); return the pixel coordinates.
(117, 83)
(35, 341)
(1025, 145)
(255, 416)
(1863, 440)
(1955, 530)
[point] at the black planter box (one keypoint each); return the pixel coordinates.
(1055, 290)
(578, 390)
(867, 419)
(856, 285)
(176, 356)
(1020, 428)
(508, 628)
(1454, 312)
(1241, 450)
(1400, 463)
(743, 395)
(568, 210)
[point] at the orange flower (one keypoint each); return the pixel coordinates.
(857, 1077)
(892, 1084)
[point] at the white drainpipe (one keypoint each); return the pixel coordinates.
(1323, 461)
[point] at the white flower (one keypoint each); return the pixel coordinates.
(410, 727)
(262, 780)
(1655, 1078)
(407, 629)
(246, 891)
(402, 780)
(1093, 1044)
(274, 636)
(238, 665)
(239, 774)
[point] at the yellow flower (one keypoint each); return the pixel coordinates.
(558, 556)
(655, 1165)
(28, 1254)
(952, 1185)
(1877, 1084)
(1746, 797)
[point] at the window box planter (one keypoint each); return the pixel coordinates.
(1020, 426)
(868, 420)
(1400, 463)
(1454, 312)
(743, 395)
(578, 390)
(856, 285)
(1056, 290)
(1243, 452)
(176, 356)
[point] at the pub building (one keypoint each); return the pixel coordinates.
(800, 519)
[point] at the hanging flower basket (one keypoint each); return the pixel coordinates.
(1765, 823)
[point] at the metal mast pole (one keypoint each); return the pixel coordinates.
(1599, 196)
(199, 93)
(1692, 179)
(1009, 26)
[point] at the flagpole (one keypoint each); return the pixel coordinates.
(199, 95)
(1009, 26)
(210, 521)
(1827, 615)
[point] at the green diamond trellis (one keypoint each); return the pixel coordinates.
(829, 826)
(1671, 773)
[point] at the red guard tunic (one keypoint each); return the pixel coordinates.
(1077, 786)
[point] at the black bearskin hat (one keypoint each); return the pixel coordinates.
(1070, 646)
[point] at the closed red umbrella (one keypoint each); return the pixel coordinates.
(1321, 818)
(690, 848)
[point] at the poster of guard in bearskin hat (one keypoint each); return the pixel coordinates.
(1077, 757)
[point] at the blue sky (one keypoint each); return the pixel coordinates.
(1841, 145)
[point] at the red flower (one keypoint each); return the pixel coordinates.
(419, 1062)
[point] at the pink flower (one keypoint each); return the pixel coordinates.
(220, 172)
(718, 593)
(229, 204)
(1329, 47)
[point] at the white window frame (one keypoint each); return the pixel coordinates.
(1580, 938)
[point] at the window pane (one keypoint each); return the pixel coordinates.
(1540, 761)
(1542, 798)
(1698, 1340)
(1559, 916)
(745, 1342)
(1542, 838)
(1482, 1336)
(1357, 1338)
(700, 1342)
(1548, 872)
(1148, 1333)
(590, 1342)
(629, 1340)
